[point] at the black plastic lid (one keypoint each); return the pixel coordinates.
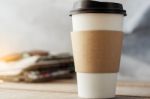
(91, 6)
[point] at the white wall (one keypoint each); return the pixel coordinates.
(136, 9)
(35, 24)
(42, 24)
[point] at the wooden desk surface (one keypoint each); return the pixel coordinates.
(67, 90)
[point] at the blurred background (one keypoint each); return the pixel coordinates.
(45, 25)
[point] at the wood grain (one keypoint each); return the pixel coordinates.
(133, 88)
(68, 90)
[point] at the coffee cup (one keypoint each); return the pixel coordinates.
(97, 42)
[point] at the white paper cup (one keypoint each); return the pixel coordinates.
(96, 85)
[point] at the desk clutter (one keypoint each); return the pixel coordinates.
(36, 66)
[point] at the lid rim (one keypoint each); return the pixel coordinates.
(93, 6)
(73, 12)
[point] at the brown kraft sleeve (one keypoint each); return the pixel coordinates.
(97, 51)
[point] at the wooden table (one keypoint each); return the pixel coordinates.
(68, 90)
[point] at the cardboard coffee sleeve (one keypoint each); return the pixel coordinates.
(97, 51)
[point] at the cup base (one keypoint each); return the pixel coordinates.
(96, 85)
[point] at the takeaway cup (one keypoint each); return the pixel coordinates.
(97, 41)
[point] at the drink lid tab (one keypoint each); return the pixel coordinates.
(91, 6)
